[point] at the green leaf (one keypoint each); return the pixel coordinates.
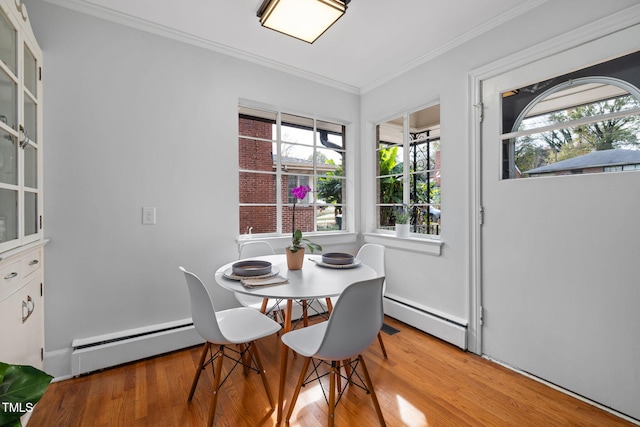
(21, 387)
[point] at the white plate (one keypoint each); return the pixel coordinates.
(228, 273)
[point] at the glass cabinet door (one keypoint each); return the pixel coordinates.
(30, 145)
(8, 72)
(20, 124)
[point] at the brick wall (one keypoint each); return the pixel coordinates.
(260, 188)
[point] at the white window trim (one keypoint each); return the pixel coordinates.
(416, 242)
(335, 237)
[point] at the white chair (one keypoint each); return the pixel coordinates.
(225, 329)
(353, 324)
(372, 255)
(268, 306)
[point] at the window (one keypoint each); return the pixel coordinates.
(587, 121)
(413, 140)
(280, 151)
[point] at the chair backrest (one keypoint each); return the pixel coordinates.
(250, 250)
(372, 255)
(203, 311)
(355, 321)
(258, 248)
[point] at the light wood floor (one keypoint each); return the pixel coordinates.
(424, 382)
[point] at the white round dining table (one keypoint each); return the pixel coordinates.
(313, 281)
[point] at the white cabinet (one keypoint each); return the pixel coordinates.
(22, 307)
(21, 234)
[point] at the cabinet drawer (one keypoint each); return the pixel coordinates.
(11, 276)
(31, 262)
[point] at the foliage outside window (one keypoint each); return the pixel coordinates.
(584, 122)
(278, 152)
(408, 170)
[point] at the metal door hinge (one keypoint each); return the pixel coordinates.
(481, 215)
(41, 289)
(40, 222)
(480, 107)
(40, 73)
(41, 354)
(481, 315)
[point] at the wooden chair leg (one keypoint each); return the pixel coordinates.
(332, 393)
(329, 305)
(294, 398)
(346, 364)
(305, 313)
(216, 384)
(367, 378)
(384, 350)
(254, 351)
(205, 349)
(246, 359)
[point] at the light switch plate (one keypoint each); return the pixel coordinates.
(148, 215)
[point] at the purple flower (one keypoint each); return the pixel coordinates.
(301, 191)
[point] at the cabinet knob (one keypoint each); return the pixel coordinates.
(10, 276)
(34, 262)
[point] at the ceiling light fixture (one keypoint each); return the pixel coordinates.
(303, 19)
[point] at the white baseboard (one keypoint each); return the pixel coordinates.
(95, 357)
(57, 363)
(447, 330)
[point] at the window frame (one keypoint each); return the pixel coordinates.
(407, 173)
(619, 73)
(282, 176)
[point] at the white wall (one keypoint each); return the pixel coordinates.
(133, 120)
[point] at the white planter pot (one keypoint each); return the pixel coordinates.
(402, 230)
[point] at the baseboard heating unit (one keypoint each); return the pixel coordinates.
(428, 320)
(99, 352)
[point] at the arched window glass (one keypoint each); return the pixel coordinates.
(583, 122)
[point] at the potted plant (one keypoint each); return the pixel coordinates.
(21, 387)
(402, 215)
(295, 252)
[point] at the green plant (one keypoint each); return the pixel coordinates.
(297, 241)
(21, 387)
(402, 214)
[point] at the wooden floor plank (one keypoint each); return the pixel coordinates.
(425, 382)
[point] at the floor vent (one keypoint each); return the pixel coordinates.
(389, 330)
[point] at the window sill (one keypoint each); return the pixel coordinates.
(281, 242)
(413, 244)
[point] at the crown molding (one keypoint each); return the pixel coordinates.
(469, 35)
(602, 27)
(618, 20)
(181, 36)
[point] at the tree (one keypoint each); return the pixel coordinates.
(572, 141)
(330, 188)
(612, 133)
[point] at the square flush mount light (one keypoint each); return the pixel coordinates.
(303, 19)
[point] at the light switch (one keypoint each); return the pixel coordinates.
(148, 215)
